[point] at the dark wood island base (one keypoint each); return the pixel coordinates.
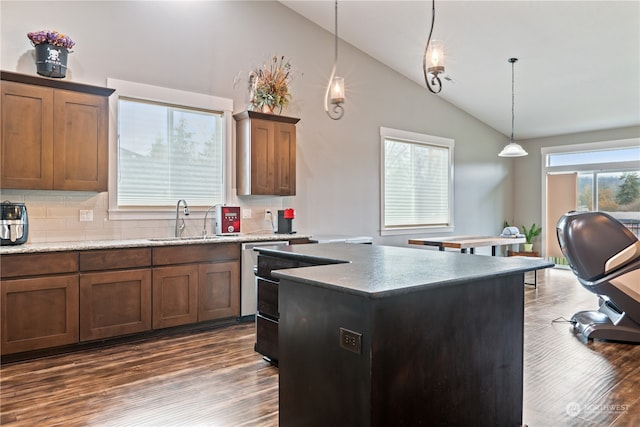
(401, 337)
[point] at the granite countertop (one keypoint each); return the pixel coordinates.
(136, 243)
(381, 271)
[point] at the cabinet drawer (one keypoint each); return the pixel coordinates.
(115, 259)
(267, 338)
(18, 265)
(268, 298)
(184, 254)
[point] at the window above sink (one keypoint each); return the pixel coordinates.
(169, 144)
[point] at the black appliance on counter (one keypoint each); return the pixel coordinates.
(285, 221)
(14, 223)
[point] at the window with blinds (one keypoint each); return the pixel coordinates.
(417, 181)
(168, 145)
(167, 153)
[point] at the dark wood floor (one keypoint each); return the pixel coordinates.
(214, 378)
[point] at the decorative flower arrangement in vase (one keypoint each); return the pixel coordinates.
(52, 49)
(269, 86)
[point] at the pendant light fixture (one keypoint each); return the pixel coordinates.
(512, 149)
(335, 88)
(433, 59)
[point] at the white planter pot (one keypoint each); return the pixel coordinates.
(528, 247)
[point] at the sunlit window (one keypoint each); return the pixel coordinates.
(166, 153)
(417, 181)
(169, 145)
(608, 176)
(615, 192)
(594, 157)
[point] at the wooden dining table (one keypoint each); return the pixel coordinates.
(467, 242)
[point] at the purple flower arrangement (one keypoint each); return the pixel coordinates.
(52, 37)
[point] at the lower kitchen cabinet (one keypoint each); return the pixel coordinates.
(39, 301)
(195, 284)
(193, 293)
(39, 312)
(267, 319)
(175, 293)
(114, 303)
(218, 290)
(64, 298)
(268, 314)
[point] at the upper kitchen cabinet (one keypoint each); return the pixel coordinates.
(266, 154)
(55, 134)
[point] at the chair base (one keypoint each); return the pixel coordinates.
(605, 324)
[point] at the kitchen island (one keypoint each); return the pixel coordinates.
(379, 336)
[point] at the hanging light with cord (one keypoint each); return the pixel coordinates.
(433, 59)
(335, 88)
(512, 149)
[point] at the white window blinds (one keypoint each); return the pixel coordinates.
(417, 180)
(167, 153)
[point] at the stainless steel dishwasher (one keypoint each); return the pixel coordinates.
(247, 276)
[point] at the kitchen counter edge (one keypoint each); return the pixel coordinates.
(144, 242)
(378, 271)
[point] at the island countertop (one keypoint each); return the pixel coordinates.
(380, 271)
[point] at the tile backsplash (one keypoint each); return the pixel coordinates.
(54, 216)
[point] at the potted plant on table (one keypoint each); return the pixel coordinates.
(529, 235)
(269, 86)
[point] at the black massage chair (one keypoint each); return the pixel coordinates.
(605, 256)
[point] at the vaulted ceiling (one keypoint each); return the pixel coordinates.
(578, 68)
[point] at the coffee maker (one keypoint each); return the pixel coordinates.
(285, 219)
(14, 224)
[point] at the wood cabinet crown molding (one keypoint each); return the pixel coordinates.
(55, 83)
(264, 116)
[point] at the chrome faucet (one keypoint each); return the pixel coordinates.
(204, 226)
(180, 226)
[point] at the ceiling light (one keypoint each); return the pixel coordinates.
(335, 88)
(512, 149)
(433, 59)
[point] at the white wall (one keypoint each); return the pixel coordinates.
(202, 47)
